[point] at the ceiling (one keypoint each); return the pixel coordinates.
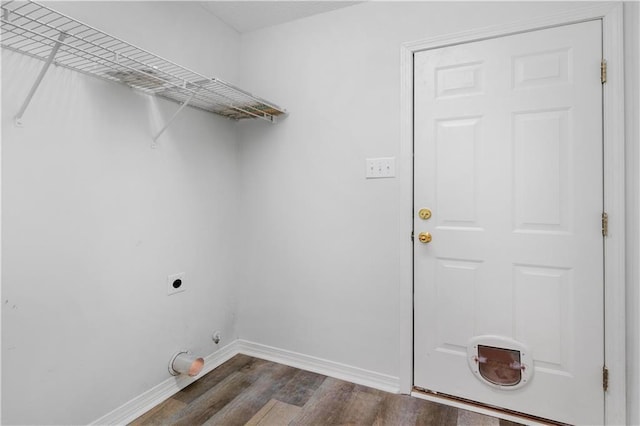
(247, 16)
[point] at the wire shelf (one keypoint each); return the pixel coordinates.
(39, 31)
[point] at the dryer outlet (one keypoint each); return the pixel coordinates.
(176, 283)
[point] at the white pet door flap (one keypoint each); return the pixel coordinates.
(500, 362)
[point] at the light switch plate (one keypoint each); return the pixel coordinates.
(381, 168)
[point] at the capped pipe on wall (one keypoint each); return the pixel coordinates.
(185, 363)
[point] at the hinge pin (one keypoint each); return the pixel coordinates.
(605, 224)
(605, 378)
(603, 71)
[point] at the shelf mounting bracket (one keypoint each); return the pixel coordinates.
(18, 118)
(173, 117)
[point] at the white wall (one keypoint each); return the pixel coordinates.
(321, 242)
(94, 220)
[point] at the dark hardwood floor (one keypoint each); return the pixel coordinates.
(251, 391)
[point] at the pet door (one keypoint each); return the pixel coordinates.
(499, 362)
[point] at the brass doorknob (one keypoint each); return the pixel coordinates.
(424, 237)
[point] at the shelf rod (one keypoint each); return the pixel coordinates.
(43, 71)
(173, 117)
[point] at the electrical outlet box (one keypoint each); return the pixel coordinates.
(175, 283)
(381, 168)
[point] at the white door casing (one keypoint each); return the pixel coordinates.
(508, 156)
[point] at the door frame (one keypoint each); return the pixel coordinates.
(614, 186)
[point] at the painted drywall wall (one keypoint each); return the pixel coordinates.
(321, 242)
(632, 136)
(94, 221)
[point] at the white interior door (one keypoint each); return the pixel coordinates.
(508, 158)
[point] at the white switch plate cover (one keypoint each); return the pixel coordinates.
(171, 279)
(381, 168)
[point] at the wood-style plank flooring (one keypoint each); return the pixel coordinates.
(255, 392)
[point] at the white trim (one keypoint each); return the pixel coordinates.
(613, 98)
(588, 13)
(405, 245)
(144, 402)
(614, 205)
(325, 367)
(632, 88)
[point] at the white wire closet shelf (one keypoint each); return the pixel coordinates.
(41, 32)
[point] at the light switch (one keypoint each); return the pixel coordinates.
(381, 168)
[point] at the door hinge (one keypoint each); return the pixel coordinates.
(411, 236)
(605, 224)
(603, 71)
(605, 378)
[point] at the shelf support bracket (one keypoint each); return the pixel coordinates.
(43, 71)
(173, 117)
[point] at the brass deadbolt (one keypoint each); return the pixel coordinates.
(424, 237)
(424, 214)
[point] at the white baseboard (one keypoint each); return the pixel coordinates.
(322, 366)
(139, 405)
